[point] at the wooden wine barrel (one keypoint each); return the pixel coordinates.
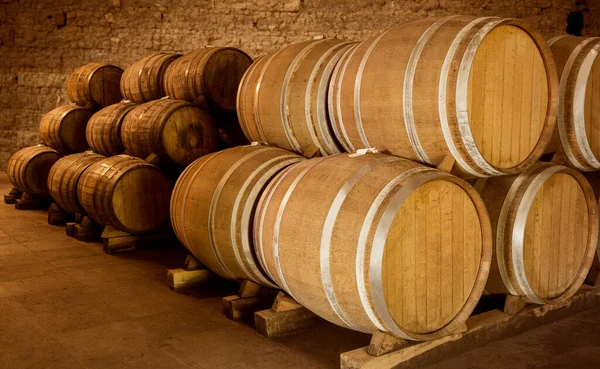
(545, 223)
(64, 177)
(28, 169)
(125, 193)
(96, 84)
(483, 90)
(143, 80)
(376, 243)
(297, 78)
(172, 129)
(213, 203)
(63, 128)
(213, 73)
(578, 117)
(103, 131)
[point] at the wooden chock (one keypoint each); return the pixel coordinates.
(57, 216)
(86, 231)
(153, 159)
(115, 240)
(193, 274)
(383, 343)
(251, 297)
(559, 158)
(286, 316)
(12, 196)
(593, 277)
(447, 164)
(514, 304)
(311, 152)
(30, 202)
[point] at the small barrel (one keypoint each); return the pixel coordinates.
(174, 130)
(28, 169)
(213, 204)
(103, 131)
(481, 90)
(213, 73)
(125, 193)
(578, 117)
(297, 78)
(63, 129)
(376, 243)
(96, 84)
(545, 223)
(64, 177)
(143, 80)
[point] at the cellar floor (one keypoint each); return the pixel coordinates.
(67, 304)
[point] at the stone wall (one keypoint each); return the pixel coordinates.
(42, 41)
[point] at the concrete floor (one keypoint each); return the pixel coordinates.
(66, 304)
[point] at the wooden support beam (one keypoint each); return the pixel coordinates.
(193, 274)
(12, 196)
(251, 297)
(286, 316)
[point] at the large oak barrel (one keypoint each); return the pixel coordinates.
(95, 84)
(578, 117)
(28, 169)
(63, 128)
(125, 193)
(172, 129)
(103, 131)
(483, 90)
(213, 73)
(376, 243)
(282, 98)
(64, 177)
(545, 223)
(213, 204)
(143, 80)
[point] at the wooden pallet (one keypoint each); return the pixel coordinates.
(115, 240)
(389, 352)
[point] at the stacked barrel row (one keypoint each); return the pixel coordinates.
(371, 236)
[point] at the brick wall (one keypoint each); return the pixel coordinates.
(42, 41)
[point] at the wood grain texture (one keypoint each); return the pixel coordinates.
(63, 129)
(545, 223)
(143, 80)
(103, 131)
(358, 241)
(175, 130)
(296, 76)
(97, 84)
(213, 204)
(415, 102)
(64, 177)
(212, 73)
(125, 193)
(28, 169)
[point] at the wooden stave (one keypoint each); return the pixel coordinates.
(225, 256)
(494, 192)
(53, 123)
(439, 148)
(139, 89)
(96, 186)
(19, 163)
(78, 85)
(103, 132)
(262, 232)
(63, 178)
(570, 53)
(185, 79)
(142, 130)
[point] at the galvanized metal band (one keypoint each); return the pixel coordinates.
(579, 125)
(407, 91)
(462, 99)
(213, 208)
(336, 100)
(327, 233)
(357, 86)
(553, 40)
(246, 256)
(560, 116)
(284, 98)
(361, 250)
(518, 233)
(259, 81)
(442, 95)
(379, 242)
